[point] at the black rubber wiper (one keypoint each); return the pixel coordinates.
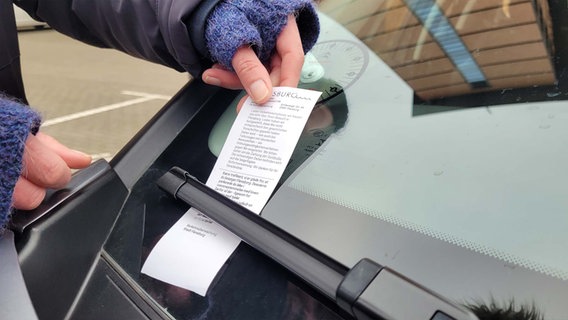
(366, 291)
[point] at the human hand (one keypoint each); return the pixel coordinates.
(257, 79)
(46, 164)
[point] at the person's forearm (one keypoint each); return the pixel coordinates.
(169, 31)
(148, 29)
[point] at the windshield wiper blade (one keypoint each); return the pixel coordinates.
(366, 291)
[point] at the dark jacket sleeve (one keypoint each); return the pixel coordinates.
(154, 30)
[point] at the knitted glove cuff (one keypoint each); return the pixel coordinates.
(16, 122)
(257, 23)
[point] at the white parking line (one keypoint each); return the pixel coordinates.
(144, 94)
(105, 155)
(144, 97)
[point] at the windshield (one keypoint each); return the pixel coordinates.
(439, 143)
(438, 149)
(459, 176)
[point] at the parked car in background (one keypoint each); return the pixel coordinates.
(24, 21)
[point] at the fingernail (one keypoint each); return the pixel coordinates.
(81, 153)
(258, 90)
(212, 81)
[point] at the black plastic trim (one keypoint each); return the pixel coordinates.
(142, 150)
(21, 221)
(391, 295)
(66, 242)
(117, 294)
(355, 282)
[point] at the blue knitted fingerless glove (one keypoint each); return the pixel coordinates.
(235, 23)
(16, 122)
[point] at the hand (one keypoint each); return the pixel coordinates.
(46, 164)
(258, 80)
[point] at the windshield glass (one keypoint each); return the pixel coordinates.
(438, 149)
(439, 143)
(460, 176)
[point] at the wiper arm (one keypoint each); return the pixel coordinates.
(366, 291)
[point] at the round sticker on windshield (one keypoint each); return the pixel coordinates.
(332, 66)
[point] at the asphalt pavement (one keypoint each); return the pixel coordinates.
(92, 99)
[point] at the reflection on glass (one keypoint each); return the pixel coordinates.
(507, 311)
(477, 196)
(250, 286)
(450, 48)
(484, 180)
(328, 117)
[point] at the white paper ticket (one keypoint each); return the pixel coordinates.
(253, 158)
